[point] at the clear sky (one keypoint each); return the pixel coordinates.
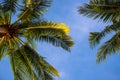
(80, 63)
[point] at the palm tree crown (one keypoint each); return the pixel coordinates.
(105, 10)
(17, 37)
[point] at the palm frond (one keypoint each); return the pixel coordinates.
(1, 52)
(55, 33)
(48, 77)
(33, 10)
(102, 11)
(4, 17)
(44, 25)
(9, 5)
(40, 66)
(28, 65)
(111, 46)
(106, 2)
(17, 38)
(64, 43)
(2, 48)
(17, 74)
(55, 36)
(95, 37)
(21, 67)
(31, 42)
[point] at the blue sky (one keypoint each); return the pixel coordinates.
(80, 63)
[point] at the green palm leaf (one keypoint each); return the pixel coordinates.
(106, 10)
(9, 5)
(99, 10)
(51, 33)
(17, 38)
(65, 43)
(39, 64)
(4, 17)
(21, 67)
(95, 37)
(43, 25)
(2, 48)
(33, 9)
(110, 46)
(27, 64)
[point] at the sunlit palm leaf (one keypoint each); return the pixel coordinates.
(44, 25)
(51, 35)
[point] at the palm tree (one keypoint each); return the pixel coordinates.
(107, 11)
(21, 25)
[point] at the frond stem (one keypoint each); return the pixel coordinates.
(14, 68)
(21, 17)
(2, 40)
(30, 28)
(10, 14)
(29, 64)
(3, 16)
(20, 40)
(15, 42)
(24, 14)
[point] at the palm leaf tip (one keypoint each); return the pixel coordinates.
(94, 39)
(110, 46)
(64, 27)
(56, 25)
(83, 9)
(55, 72)
(49, 25)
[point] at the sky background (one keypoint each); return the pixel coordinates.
(80, 64)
